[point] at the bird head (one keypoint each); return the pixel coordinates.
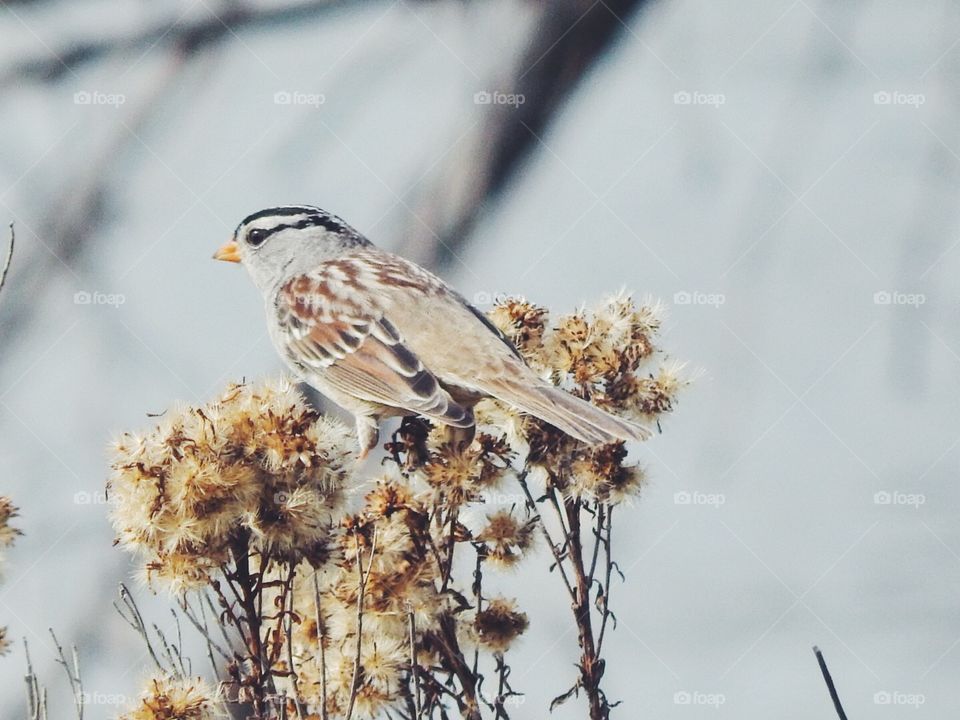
(279, 242)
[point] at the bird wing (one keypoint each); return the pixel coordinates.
(355, 348)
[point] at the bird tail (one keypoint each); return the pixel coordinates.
(571, 414)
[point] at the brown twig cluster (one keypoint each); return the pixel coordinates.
(316, 605)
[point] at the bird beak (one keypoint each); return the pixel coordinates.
(228, 252)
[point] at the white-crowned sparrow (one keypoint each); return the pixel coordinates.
(381, 336)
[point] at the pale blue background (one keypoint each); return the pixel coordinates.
(797, 199)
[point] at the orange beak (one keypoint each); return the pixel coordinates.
(228, 252)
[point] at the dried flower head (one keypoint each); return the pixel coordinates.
(499, 624)
(8, 533)
(170, 698)
(256, 461)
(506, 537)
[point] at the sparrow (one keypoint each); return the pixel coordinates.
(381, 336)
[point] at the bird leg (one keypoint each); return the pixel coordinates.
(460, 438)
(368, 434)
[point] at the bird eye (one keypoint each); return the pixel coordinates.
(256, 237)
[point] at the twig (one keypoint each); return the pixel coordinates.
(36, 695)
(362, 579)
(294, 681)
(412, 624)
(186, 36)
(830, 686)
(538, 518)
(203, 629)
(136, 621)
(76, 683)
(323, 652)
(6, 263)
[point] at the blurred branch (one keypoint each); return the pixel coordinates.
(570, 37)
(830, 686)
(186, 37)
(6, 263)
(36, 693)
(73, 675)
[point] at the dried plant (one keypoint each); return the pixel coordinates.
(8, 534)
(317, 605)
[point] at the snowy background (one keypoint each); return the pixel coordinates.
(783, 174)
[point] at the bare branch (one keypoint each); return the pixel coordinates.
(830, 686)
(73, 675)
(362, 579)
(186, 37)
(6, 263)
(570, 36)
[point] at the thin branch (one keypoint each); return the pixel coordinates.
(36, 694)
(76, 683)
(412, 627)
(830, 686)
(203, 629)
(135, 620)
(323, 652)
(538, 518)
(188, 36)
(294, 681)
(6, 263)
(362, 579)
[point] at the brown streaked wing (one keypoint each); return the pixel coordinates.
(360, 353)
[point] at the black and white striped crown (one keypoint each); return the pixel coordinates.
(295, 216)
